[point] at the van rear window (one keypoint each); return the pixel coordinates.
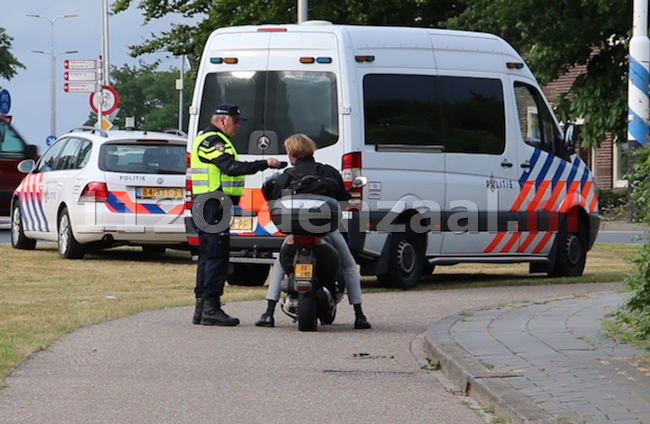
(435, 113)
(277, 105)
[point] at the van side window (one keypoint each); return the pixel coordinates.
(402, 110)
(474, 115)
(11, 145)
(49, 158)
(535, 121)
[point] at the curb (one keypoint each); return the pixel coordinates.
(474, 380)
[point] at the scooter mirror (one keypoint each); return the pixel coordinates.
(359, 182)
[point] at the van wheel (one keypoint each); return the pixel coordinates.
(571, 252)
(405, 261)
(249, 275)
(18, 239)
(69, 247)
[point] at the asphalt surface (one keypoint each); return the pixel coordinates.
(156, 367)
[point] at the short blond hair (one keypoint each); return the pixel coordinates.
(299, 146)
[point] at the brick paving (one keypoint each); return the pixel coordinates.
(554, 356)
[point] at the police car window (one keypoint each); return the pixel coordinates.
(84, 154)
(535, 122)
(474, 115)
(68, 156)
(143, 159)
(49, 158)
(402, 110)
(11, 145)
(277, 105)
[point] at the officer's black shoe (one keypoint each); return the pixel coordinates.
(198, 311)
(361, 323)
(265, 321)
(214, 315)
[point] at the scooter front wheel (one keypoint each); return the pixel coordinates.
(307, 313)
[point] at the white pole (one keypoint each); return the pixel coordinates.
(105, 49)
(302, 11)
(638, 80)
(180, 94)
(100, 92)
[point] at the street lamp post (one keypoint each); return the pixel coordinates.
(52, 67)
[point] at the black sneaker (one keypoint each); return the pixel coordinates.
(265, 321)
(361, 323)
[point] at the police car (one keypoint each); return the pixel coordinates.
(100, 189)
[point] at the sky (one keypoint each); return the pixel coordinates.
(30, 88)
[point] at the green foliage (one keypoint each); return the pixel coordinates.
(612, 204)
(557, 34)
(149, 96)
(190, 39)
(8, 63)
(635, 313)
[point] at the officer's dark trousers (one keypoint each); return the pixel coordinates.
(214, 250)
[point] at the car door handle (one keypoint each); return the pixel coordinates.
(526, 165)
(506, 164)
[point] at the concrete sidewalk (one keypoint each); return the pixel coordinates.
(545, 362)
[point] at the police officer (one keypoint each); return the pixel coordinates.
(216, 172)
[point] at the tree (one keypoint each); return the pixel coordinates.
(148, 95)
(554, 35)
(8, 63)
(187, 39)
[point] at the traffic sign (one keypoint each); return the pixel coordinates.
(5, 101)
(109, 100)
(82, 87)
(80, 76)
(50, 139)
(80, 64)
(106, 124)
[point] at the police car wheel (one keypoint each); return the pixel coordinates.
(405, 261)
(69, 247)
(18, 238)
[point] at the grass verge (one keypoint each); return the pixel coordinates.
(43, 297)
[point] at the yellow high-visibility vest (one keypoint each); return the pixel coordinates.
(207, 177)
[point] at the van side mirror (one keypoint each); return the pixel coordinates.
(571, 136)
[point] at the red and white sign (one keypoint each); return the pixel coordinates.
(87, 87)
(109, 100)
(80, 64)
(80, 76)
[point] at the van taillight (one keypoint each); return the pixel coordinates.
(350, 169)
(188, 184)
(94, 192)
(304, 239)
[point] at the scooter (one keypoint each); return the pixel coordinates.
(308, 258)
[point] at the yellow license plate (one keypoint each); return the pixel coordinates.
(159, 193)
(303, 270)
(241, 224)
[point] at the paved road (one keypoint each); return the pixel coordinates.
(156, 367)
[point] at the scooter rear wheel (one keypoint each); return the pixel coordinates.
(307, 313)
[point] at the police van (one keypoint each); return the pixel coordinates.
(465, 160)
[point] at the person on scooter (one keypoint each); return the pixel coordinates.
(300, 150)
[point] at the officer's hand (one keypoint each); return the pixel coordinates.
(273, 162)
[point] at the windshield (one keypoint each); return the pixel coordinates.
(143, 159)
(277, 105)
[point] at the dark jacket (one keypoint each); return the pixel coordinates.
(305, 166)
